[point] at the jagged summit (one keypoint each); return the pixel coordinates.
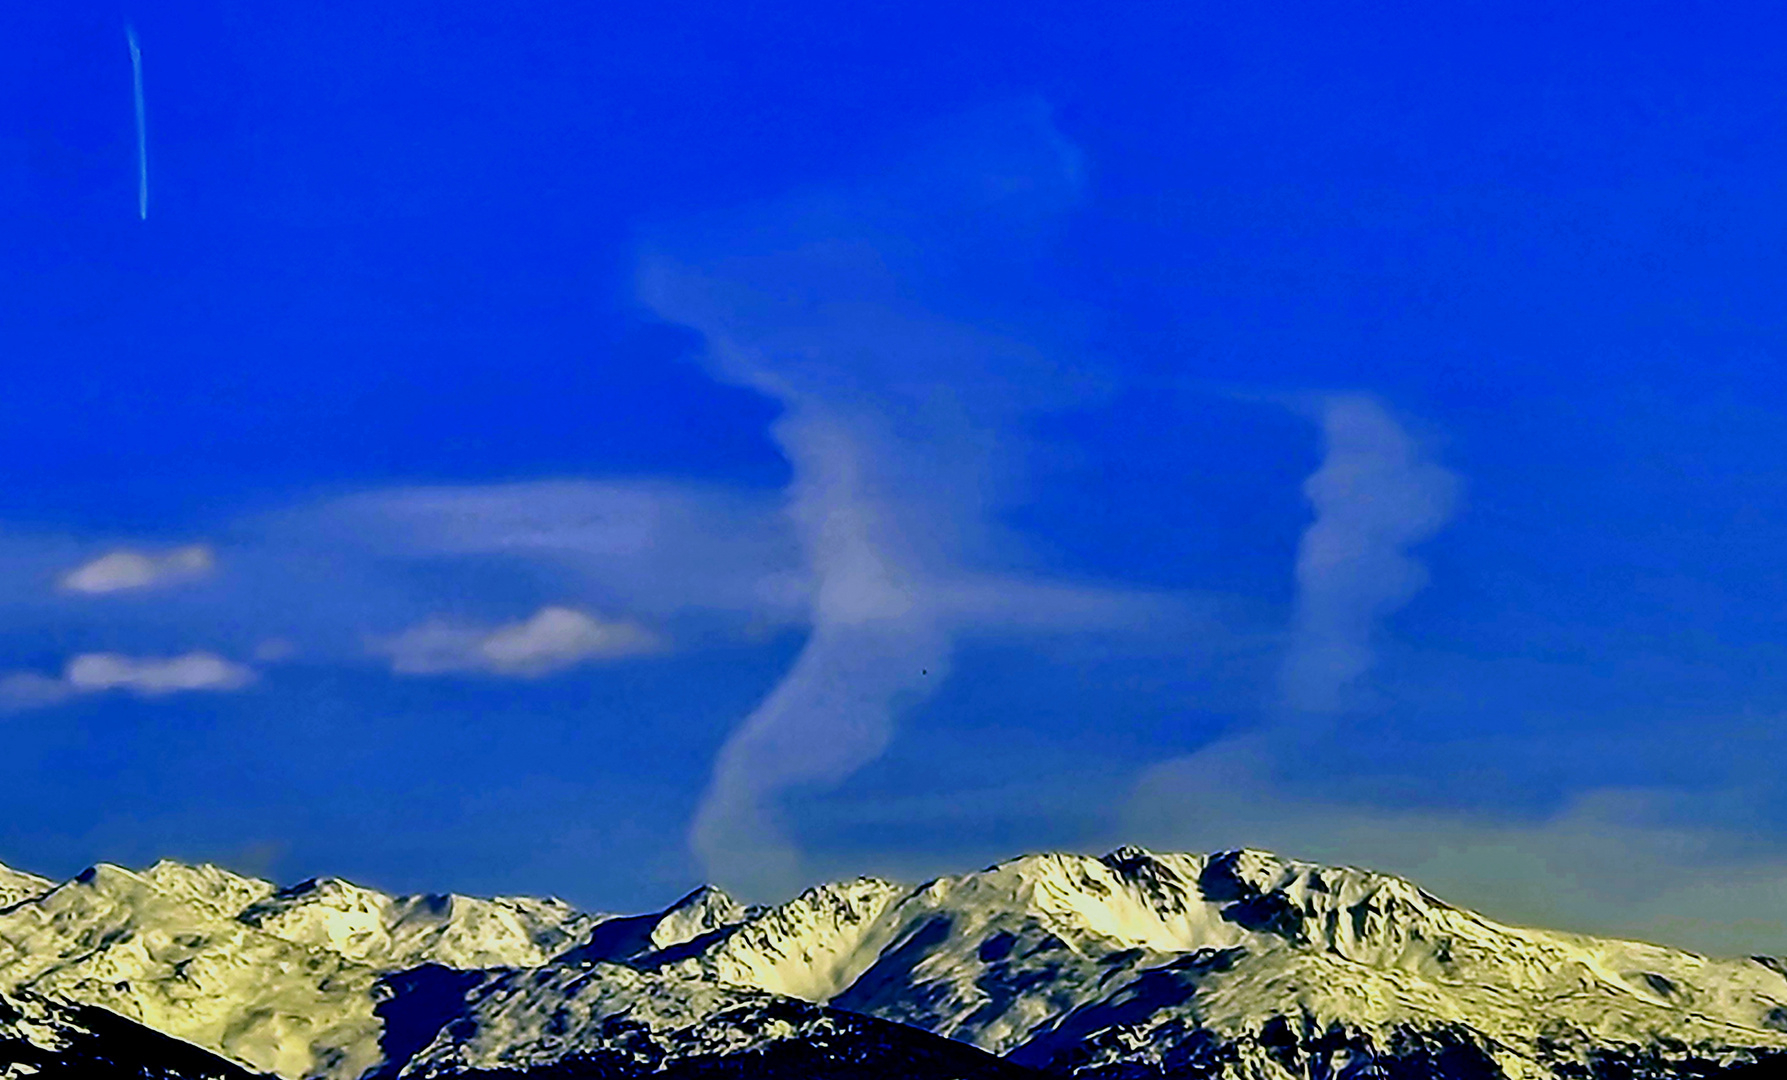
(701, 912)
(395, 932)
(221, 890)
(283, 981)
(1136, 963)
(109, 937)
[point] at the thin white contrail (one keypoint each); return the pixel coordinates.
(136, 73)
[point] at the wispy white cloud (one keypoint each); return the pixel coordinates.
(1375, 495)
(551, 640)
(127, 569)
(92, 673)
(154, 676)
(700, 562)
(653, 548)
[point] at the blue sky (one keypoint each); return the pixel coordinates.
(589, 449)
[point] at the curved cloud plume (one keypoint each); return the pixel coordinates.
(899, 424)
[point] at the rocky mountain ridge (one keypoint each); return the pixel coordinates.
(50, 1040)
(1136, 964)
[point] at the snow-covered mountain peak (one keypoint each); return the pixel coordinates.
(663, 936)
(612, 1021)
(811, 947)
(221, 890)
(46, 1039)
(1128, 899)
(1001, 956)
(110, 937)
(1163, 872)
(392, 932)
(1233, 964)
(109, 887)
(330, 891)
(17, 885)
(701, 912)
(327, 913)
(1242, 873)
(284, 982)
(475, 932)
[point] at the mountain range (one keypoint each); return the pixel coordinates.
(1237, 964)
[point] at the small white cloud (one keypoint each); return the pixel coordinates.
(93, 673)
(154, 676)
(553, 639)
(125, 569)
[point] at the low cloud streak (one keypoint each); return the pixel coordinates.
(553, 639)
(93, 673)
(655, 548)
(127, 570)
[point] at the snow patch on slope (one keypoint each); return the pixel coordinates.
(694, 916)
(1048, 951)
(610, 1020)
(211, 887)
(1241, 963)
(811, 948)
(395, 932)
(50, 1040)
(284, 981)
(110, 938)
(16, 885)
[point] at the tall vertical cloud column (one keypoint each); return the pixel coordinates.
(896, 416)
(1375, 496)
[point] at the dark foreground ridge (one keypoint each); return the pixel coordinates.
(773, 1038)
(856, 1048)
(53, 1040)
